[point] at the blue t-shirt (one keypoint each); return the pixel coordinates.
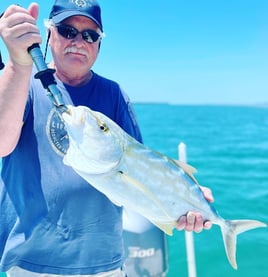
(51, 220)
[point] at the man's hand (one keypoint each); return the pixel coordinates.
(193, 221)
(19, 31)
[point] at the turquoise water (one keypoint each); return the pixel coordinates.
(229, 147)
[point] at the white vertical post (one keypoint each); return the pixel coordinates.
(189, 240)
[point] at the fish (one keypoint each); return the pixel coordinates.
(137, 177)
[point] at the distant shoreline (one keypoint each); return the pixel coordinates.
(261, 105)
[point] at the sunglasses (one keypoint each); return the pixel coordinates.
(69, 32)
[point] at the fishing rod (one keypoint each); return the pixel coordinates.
(2, 65)
(45, 74)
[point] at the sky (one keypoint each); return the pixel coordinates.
(181, 51)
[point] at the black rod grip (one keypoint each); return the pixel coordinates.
(45, 74)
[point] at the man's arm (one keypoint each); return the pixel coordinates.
(19, 31)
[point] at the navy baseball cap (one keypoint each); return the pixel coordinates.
(63, 9)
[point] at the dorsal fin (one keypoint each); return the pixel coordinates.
(189, 170)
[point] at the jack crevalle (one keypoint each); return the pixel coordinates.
(132, 175)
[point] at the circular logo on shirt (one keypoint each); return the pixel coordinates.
(56, 133)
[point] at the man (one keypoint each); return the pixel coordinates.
(52, 221)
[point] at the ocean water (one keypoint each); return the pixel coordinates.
(229, 147)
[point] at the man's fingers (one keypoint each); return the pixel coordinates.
(198, 227)
(193, 221)
(181, 223)
(207, 225)
(207, 193)
(34, 10)
(190, 222)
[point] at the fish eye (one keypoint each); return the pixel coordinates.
(104, 127)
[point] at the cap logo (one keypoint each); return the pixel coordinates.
(82, 3)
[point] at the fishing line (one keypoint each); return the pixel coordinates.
(2, 65)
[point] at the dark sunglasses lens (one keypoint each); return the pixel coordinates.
(90, 36)
(67, 31)
(70, 32)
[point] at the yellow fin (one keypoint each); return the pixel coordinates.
(189, 170)
(166, 228)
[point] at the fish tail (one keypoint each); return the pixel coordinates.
(230, 230)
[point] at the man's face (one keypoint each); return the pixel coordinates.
(74, 56)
